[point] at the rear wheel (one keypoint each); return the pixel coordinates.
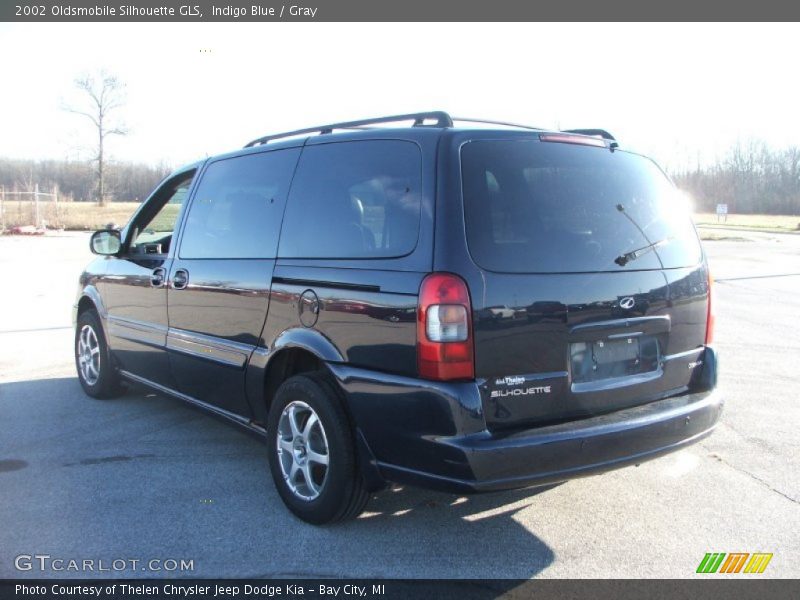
(96, 373)
(312, 455)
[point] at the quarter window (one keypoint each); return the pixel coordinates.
(354, 200)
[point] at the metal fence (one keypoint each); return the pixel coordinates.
(35, 207)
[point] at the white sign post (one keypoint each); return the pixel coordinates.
(722, 213)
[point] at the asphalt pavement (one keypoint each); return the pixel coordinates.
(146, 478)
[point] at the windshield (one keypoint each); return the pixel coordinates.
(537, 207)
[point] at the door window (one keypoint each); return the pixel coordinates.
(238, 207)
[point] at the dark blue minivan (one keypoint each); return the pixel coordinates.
(407, 300)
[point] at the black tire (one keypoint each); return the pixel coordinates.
(108, 382)
(341, 493)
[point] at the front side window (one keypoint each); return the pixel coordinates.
(354, 200)
(237, 209)
(153, 233)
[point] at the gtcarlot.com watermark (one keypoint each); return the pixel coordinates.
(45, 563)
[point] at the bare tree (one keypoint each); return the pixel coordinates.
(750, 178)
(105, 94)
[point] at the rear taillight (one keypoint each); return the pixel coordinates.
(710, 314)
(444, 329)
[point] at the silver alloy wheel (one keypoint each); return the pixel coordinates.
(302, 450)
(89, 355)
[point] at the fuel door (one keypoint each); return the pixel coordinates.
(308, 307)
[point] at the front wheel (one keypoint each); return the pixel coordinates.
(312, 454)
(96, 374)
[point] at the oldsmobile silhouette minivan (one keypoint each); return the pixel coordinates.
(467, 308)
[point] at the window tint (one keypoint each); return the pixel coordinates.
(354, 200)
(541, 207)
(238, 206)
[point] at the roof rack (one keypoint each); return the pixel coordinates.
(442, 120)
(593, 132)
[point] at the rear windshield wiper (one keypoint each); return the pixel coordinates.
(624, 259)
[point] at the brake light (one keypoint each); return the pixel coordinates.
(710, 318)
(444, 329)
(566, 138)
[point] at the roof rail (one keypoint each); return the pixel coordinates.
(488, 122)
(594, 132)
(442, 120)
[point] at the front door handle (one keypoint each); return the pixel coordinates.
(180, 279)
(157, 277)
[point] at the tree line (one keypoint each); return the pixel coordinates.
(751, 178)
(77, 180)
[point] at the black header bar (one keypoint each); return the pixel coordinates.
(399, 10)
(706, 587)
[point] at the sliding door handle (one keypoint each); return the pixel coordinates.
(180, 279)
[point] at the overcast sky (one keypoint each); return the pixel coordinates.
(676, 92)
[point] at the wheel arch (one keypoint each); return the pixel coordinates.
(90, 299)
(293, 351)
(286, 363)
(84, 304)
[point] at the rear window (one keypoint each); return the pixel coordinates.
(539, 207)
(354, 200)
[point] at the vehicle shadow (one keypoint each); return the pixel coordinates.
(207, 495)
(440, 535)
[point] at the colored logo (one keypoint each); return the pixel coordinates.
(734, 562)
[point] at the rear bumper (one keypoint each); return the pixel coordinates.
(576, 449)
(434, 434)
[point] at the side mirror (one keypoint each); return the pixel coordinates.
(105, 242)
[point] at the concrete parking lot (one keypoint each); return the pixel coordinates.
(145, 477)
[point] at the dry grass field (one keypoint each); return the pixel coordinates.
(68, 215)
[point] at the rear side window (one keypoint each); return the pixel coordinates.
(237, 209)
(536, 207)
(354, 200)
